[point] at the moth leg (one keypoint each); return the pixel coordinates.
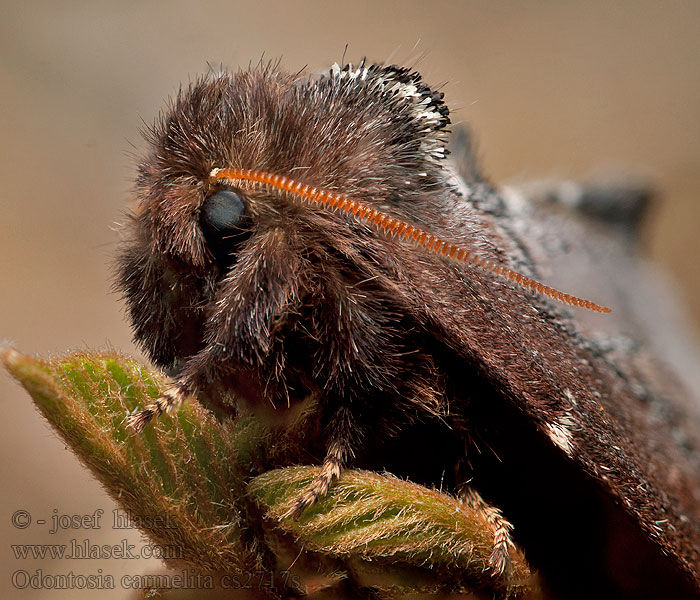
(500, 555)
(170, 401)
(338, 452)
(330, 470)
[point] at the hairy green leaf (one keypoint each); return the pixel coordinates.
(198, 483)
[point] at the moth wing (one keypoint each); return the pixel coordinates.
(592, 386)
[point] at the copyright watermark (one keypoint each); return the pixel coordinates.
(83, 549)
(118, 519)
(38, 579)
(21, 519)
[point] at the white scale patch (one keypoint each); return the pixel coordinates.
(433, 144)
(560, 434)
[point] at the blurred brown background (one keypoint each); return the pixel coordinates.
(561, 89)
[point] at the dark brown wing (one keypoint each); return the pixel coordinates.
(590, 388)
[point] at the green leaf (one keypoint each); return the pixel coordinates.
(195, 484)
(179, 471)
(387, 521)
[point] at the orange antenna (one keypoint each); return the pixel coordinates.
(344, 204)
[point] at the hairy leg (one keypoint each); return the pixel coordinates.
(170, 401)
(342, 433)
(500, 555)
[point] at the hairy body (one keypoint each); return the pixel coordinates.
(363, 349)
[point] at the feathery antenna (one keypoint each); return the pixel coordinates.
(344, 204)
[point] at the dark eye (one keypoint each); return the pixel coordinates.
(225, 224)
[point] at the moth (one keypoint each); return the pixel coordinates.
(302, 248)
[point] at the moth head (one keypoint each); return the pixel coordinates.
(372, 131)
(369, 134)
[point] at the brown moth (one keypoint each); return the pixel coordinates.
(302, 249)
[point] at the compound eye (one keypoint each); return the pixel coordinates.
(224, 223)
(222, 211)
